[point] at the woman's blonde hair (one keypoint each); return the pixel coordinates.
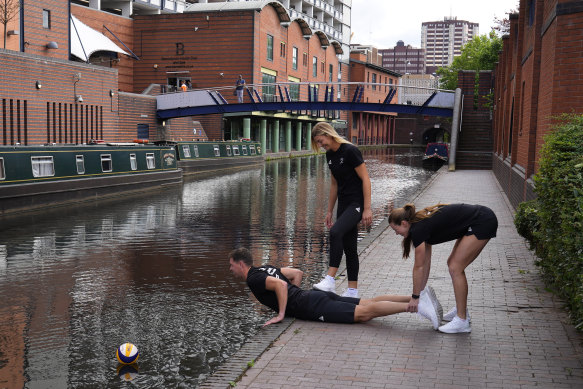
(326, 129)
(408, 213)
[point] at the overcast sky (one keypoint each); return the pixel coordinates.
(382, 23)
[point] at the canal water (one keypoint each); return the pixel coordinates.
(77, 282)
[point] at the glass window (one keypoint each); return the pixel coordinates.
(294, 91)
(315, 66)
(228, 151)
(331, 71)
(2, 172)
(150, 161)
(252, 149)
(268, 91)
(244, 149)
(282, 46)
(195, 148)
(80, 161)
(374, 81)
(186, 151)
(133, 162)
(295, 58)
(235, 150)
(46, 18)
(43, 166)
(106, 163)
(217, 150)
(269, 47)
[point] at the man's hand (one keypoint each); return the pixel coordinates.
(276, 319)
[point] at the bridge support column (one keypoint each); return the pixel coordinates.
(298, 136)
(455, 123)
(247, 128)
(275, 138)
(263, 134)
(288, 136)
(309, 136)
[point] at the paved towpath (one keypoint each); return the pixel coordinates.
(520, 336)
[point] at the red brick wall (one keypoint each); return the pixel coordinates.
(38, 37)
(122, 28)
(51, 113)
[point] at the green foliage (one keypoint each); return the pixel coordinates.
(556, 222)
(527, 222)
(481, 53)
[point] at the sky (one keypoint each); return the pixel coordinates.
(382, 23)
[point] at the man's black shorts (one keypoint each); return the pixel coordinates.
(328, 307)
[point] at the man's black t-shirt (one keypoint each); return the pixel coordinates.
(256, 282)
(450, 222)
(342, 163)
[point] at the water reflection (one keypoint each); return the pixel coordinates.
(152, 270)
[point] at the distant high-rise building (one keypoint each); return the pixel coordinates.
(443, 40)
(404, 59)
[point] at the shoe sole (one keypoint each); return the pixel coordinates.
(323, 290)
(456, 332)
(435, 302)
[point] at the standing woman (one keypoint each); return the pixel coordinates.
(472, 226)
(350, 185)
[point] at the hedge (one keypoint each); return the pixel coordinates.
(553, 223)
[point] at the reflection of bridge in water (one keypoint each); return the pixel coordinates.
(285, 96)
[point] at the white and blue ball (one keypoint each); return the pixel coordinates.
(127, 353)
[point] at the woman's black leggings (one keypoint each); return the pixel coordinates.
(344, 237)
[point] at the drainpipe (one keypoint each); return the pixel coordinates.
(22, 26)
(455, 124)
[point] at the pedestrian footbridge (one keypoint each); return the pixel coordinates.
(304, 97)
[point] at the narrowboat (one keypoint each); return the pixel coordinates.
(33, 177)
(436, 152)
(204, 156)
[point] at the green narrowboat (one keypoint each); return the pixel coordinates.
(196, 157)
(33, 177)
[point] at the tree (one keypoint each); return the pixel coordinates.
(481, 53)
(8, 10)
(502, 25)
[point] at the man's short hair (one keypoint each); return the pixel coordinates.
(242, 254)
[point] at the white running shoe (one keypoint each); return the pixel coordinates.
(327, 285)
(431, 294)
(456, 326)
(453, 313)
(351, 292)
(427, 310)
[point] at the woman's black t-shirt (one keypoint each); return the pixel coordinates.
(450, 222)
(342, 163)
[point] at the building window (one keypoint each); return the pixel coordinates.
(46, 18)
(268, 91)
(331, 73)
(294, 91)
(80, 161)
(374, 81)
(295, 58)
(305, 59)
(269, 47)
(186, 151)
(150, 161)
(133, 162)
(315, 66)
(282, 49)
(42, 166)
(106, 163)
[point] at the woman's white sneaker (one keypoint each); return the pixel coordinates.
(456, 326)
(327, 285)
(350, 292)
(453, 313)
(426, 309)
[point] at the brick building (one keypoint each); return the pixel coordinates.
(371, 127)
(537, 77)
(404, 59)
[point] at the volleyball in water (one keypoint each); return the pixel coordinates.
(127, 353)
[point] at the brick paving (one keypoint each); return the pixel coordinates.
(520, 338)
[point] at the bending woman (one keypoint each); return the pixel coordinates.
(472, 226)
(351, 187)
